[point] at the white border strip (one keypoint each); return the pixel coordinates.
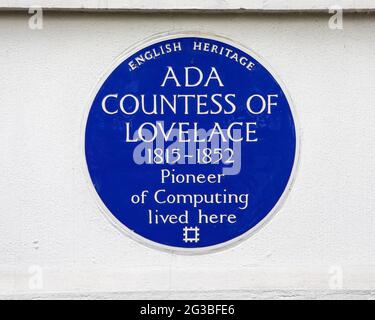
(192, 5)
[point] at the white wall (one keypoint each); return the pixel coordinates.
(49, 219)
(190, 5)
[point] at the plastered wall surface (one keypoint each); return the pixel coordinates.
(55, 242)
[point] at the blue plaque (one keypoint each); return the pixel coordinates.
(190, 143)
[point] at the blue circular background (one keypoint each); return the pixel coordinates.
(266, 165)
